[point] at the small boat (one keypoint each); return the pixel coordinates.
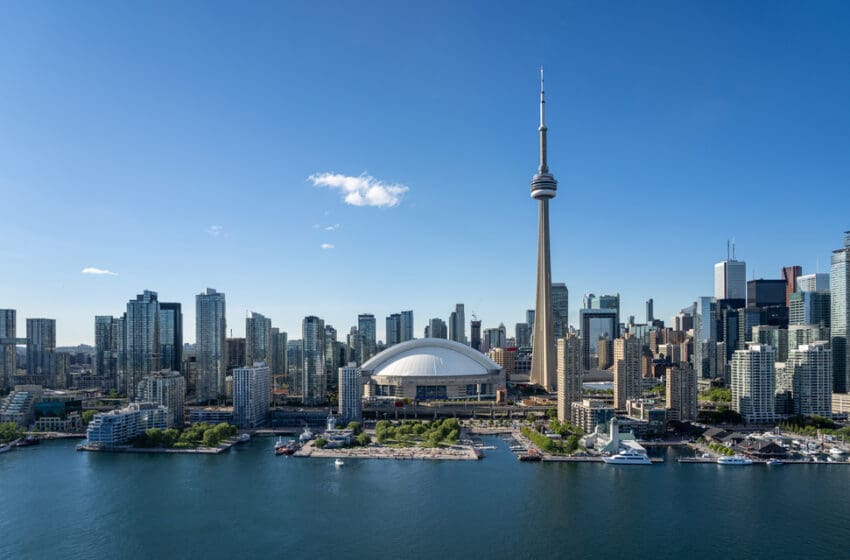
(244, 438)
(628, 457)
(28, 441)
(735, 460)
(5, 447)
(280, 444)
(286, 448)
(338, 463)
(774, 462)
(531, 456)
(836, 452)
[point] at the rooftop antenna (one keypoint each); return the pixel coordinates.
(733, 248)
(727, 249)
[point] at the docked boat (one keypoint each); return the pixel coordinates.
(338, 463)
(306, 435)
(244, 438)
(5, 447)
(734, 460)
(836, 452)
(774, 462)
(286, 448)
(628, 457)
(532, 455)
(280, 444)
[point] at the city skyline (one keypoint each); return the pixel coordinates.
(658, 110)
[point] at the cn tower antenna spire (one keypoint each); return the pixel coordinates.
(544, 166)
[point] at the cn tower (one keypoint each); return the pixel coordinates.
(543, 188)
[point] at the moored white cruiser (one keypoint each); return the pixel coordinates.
(628, 457)
(734, 460)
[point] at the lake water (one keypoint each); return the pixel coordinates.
(247, 503)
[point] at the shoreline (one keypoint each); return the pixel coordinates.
(159, 450)
(457, 453)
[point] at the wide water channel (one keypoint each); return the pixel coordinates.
(247, 503)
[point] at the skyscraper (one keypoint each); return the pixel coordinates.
(818, 282)
(627, 378)
(368, 336)
(839, 316)
(437, 328)
(705, 338)
(475, 334)
(560, 310)
(809, 308)
(332, 364)
(595, 324)
(754, 382)
(522, 333)
(569, 375)
(543, 188)
(41, 349)
(608, 302)
(105, 363)
(279, 369)
(8, 357)
(235, 353)
(313, 381)
(295, 361)
(406, 325)
(457, 324)
(143, 340)
(210, 345)
(393, 329)
(790, 274)
(251, 395)
(258, 339)
(730, 279)
(650, 317)
(171, 336)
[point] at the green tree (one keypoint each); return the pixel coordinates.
(571, 444)
(320, 443)
(88, 416)
(552, 413)
(9, 431)
(363, 439)
(356, 427)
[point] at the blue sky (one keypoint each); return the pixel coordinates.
(129, 130)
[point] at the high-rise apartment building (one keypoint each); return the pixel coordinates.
(332, 363)
(839, 316)
(681, 392)
(604, 352)
(496, 337)
(210, 345)
(41, 349)
(258, 339)
(143, 340)
(166, 388)
(251, 395)
(350, 389)
(754, 383)
(569, 375)
(457, 324)
(314, 381)
(810, 369)
(627, 377)
(560, 310)
(730, 280)
(650, 312)
(8, 345)
(393, 329)
(368, 336)
(406, 325)
(171, 336)
(236, 350)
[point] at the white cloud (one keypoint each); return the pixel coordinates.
(363, 190)
(215, 231)
(332, 228)
(98, 271)
(326, 246)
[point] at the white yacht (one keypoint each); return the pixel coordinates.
(774, 462)
(339, 462)
(628, 457)
(734, 460)
(306, 435)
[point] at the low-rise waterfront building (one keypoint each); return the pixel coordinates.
(589, 413)
(118, 427)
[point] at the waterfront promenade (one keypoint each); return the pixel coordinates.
(453, 453)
